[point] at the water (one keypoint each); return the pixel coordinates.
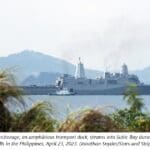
(63, 105)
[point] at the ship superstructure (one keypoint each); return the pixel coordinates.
(110, 83)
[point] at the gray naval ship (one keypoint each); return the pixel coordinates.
(109, 84)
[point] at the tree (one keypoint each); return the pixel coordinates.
(37, 118)
(8, 91)
(132, 118)
(132, 98)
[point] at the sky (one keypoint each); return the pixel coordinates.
(104, 33)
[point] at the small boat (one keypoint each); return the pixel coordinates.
(64, 91)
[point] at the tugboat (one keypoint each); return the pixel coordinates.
(64, 91)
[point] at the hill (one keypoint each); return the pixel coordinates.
(33, 66)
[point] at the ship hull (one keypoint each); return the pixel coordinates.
(43, 90)
(141, 90)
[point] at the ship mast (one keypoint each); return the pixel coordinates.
(124, 70)
(80, 73)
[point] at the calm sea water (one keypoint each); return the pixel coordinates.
(63, 105)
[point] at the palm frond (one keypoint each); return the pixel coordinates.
(89, 120)
(37, 119)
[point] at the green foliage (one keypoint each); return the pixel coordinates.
(132, 119)
(8, 87)
(36, 119)
(89, 120)
(128, 120)
(132, 98)
(8, 91)
(142, 124)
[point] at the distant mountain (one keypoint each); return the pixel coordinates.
(37, 68)
(44, 78)
(33, 66)
(30, 62)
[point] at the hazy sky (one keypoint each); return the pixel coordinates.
(104, 33)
